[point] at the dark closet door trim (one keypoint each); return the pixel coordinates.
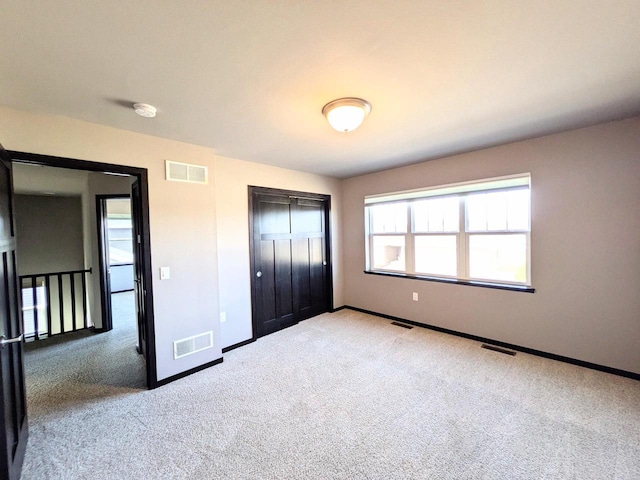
(141, 174)
(253, 190)
(105, 284)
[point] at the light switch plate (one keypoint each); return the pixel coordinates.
(165, 273)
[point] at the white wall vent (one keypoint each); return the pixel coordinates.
(189, 345)
(185, 172)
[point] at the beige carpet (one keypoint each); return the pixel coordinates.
(342, 395)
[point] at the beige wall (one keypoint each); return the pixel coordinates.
(98, 184)
(31, 179)
(585, 247)
(209, 271)
(182, 220)
(49, 233)
(232, 179)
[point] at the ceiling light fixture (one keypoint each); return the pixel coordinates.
(346, 114)
(145, 110)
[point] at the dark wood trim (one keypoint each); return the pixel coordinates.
(454, 281)
(291, 193)
(338, 309)
(122, 291)
(252, 265)
(327, 221)
(498, 349)
(116, 195)
(238, 345)
(252, 190)
(150, 347)
(530, 351)
(21, 450)
(105, 284)
(186, 373)
(13, 404)
(142, 176)
(73, 163)
(105, 291)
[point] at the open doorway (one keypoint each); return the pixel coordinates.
(117, 263)
(129, 253)
(82, 369)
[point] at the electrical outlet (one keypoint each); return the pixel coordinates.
(415, 296)
(223, 317)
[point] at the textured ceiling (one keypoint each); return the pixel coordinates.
(249, 78)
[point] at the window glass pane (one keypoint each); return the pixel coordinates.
(451, 208)
(436, 215)
(391, 218)
(389, 253)
(496, 218)
(119, 231)
(120, 237)
(120, 251)
(496, 211)
(477, 213)
(498, 257)
(420, 216)
(29, 308)
(518, 209)
(436, 255)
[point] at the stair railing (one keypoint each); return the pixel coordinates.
(52, 305)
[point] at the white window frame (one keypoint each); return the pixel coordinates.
(462, 191)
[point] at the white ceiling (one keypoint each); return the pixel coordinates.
(29, 179)
(249, 78)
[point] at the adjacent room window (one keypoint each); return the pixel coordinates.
(474, 231)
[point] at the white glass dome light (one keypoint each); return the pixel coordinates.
(346, 114)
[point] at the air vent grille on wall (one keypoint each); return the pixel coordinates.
(197, 343)
(184, 172)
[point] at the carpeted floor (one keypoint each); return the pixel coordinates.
(342, 395)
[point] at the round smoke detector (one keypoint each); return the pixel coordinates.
(145, 110)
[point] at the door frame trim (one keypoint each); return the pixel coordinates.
(252, 190)
(142, 176)
(12, 456)
(105, 283)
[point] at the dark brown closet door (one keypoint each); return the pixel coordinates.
(273, 292)
(289, 259)
(309, 272)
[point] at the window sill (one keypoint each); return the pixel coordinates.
(499, 286)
